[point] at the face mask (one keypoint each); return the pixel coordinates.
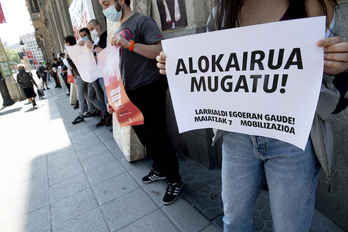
(112, 14)
(94, 35)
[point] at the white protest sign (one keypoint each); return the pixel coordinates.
(259, 80)
(84, 61)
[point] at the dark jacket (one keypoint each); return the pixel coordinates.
(25, 79)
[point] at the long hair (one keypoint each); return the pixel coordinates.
(229, 11)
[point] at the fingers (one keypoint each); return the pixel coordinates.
(161, 62)
(335, 54)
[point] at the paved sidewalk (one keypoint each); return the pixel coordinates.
(55, 176)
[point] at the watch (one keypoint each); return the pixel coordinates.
(95, 46)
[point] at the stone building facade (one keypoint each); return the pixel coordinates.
(52, 22)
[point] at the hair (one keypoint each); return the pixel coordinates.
(94, 21)
(21, 67)
(70, 39)
(85, 29)
(231, 10)
(127, 2)
(61, 54)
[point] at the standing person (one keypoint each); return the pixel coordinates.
(26, 81)
(54, 68)
(81, 86)
(95, 94)
(41, 74)
(139, 39)
(99, 37)
(292, 174)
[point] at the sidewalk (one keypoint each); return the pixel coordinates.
(55, 176)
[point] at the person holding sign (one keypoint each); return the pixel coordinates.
(291, 173)
(139, 39)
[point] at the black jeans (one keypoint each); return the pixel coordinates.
(151, 101)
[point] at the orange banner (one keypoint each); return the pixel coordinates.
(126, 112)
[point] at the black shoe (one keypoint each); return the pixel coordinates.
(34, 103)
(87, 115)
(172, 193)
(48, 88)
(76, 106)
(101, 123)
(153, 176)
(43, 89)
(78, 119)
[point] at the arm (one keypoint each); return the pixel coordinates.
(148, 51)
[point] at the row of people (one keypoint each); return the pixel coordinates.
(292, 174)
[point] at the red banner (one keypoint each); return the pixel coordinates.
(29, 54)
(2, 16)
(126, 112)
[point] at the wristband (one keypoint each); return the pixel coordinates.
(131, 46)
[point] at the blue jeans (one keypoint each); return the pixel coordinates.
(292, 177)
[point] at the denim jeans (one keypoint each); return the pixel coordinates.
(95, 96)
(292, 177)
(102, 86)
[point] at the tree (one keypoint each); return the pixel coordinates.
(12, 56)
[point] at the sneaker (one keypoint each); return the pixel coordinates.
(101, 123)
(87, 115)
(153, 176)
(78, 119)
(76, 106)
(172, 193)
(48, 88)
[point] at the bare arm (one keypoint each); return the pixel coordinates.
(148, 51)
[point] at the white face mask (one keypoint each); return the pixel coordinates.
(94, 35)
(112, 14)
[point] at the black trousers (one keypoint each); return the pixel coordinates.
(151, 101)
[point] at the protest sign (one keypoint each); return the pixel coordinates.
(84, 60)
(127, 114)
(259, 80)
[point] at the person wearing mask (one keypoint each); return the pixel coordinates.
(291, 173)
(27, 82)
(81, 86)
(139, 39)
(99, 37)
(95, 94)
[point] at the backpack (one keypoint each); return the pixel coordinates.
(341, 84)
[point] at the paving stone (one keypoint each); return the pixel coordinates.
(128, 209)
(89, 142)
(54, 155)
(114, 188)
(178, 212)
(82, 131)
(62, 162)
(91, 221)
(105, 172)
(38, 220)
(72, 206)
(68, 187)
(72, 169)
(138, 171)
(207, 199)
(90, 151)
(155, 221)
(212, 228)
(111, 144)
(27, 171)
(84, 136)
(24, 188)
(36, 199)
(97, 160)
